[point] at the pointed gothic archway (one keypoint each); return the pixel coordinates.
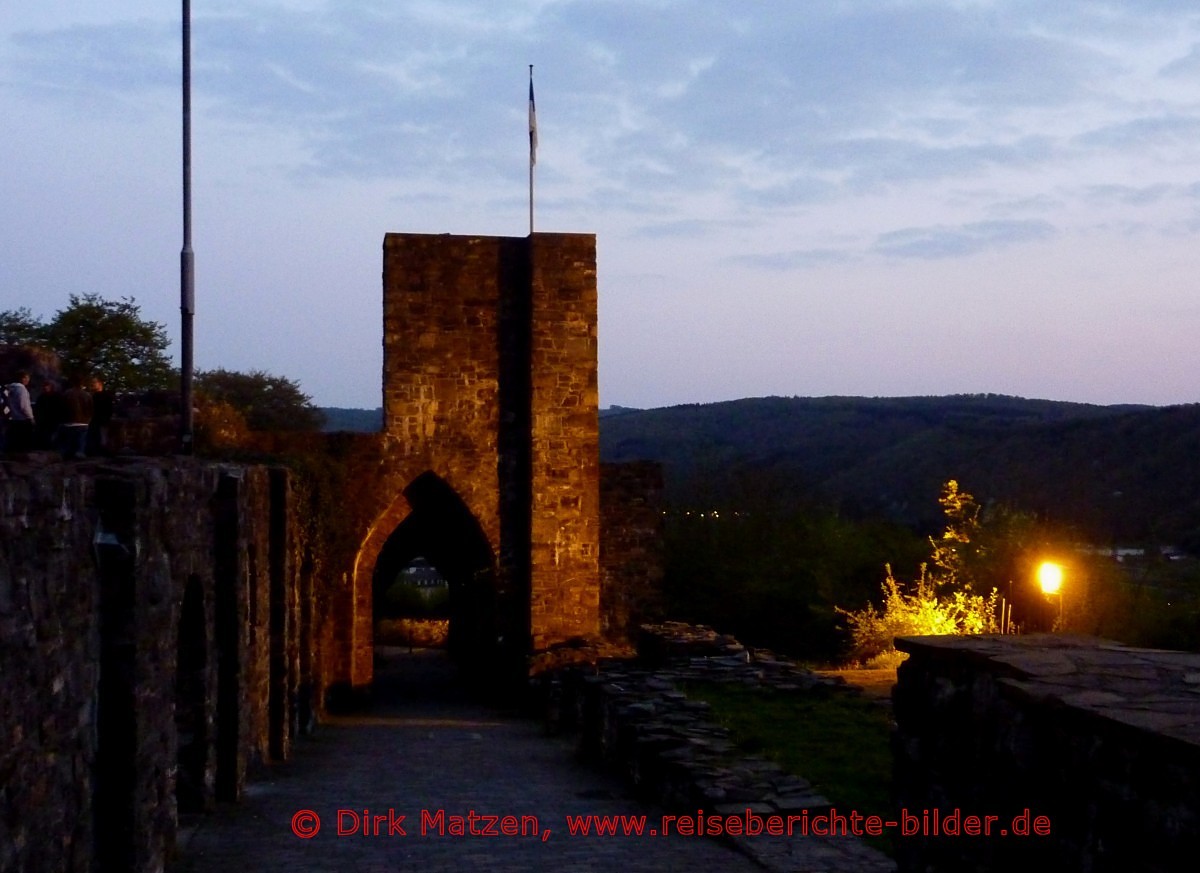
(441, 529)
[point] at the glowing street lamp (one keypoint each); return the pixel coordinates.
(1050, 577)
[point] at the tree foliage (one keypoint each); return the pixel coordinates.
(20, 327)
(110, 339)
(984, 548)
(266, 402)
(959, 541)
(93, 336)
(946, 599)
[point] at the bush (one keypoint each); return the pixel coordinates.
(426, 633)
(916, 613)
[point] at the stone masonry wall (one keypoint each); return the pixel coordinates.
(565, 583)
(349, 491)
(441, 369)
(1100, 740)
(631, 548)
(50, 651)
(137, 641)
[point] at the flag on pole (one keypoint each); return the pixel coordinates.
(532, 123)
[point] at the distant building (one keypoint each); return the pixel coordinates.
(423, 575)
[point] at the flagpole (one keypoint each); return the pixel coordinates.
(532, 146)
(187, 286)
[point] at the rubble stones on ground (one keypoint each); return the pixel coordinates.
(632, 717)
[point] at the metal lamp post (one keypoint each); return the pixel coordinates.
(1050, 577)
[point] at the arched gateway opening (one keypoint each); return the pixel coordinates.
(442, 533)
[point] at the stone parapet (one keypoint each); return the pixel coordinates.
(1100, 740)
(152, 630)
(50, 653)
(638, 722)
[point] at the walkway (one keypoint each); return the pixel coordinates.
(425, 748)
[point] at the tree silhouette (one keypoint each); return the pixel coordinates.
(92, 336)
(266, 402)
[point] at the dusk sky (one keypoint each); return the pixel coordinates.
(810, 197)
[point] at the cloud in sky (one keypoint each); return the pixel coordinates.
(806, 154)
(797, 260)
(953, 242)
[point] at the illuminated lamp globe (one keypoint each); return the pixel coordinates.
(1050, 577)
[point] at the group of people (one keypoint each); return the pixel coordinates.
(72, 420)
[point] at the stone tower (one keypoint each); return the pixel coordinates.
(491, 408)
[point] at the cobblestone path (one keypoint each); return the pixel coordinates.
(424, 748)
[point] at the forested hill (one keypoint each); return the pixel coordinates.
(1129, 473)
(1116, 472)
(365, 420)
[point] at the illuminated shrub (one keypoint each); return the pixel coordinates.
(917, 611)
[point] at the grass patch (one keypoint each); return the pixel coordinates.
(838, 742)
